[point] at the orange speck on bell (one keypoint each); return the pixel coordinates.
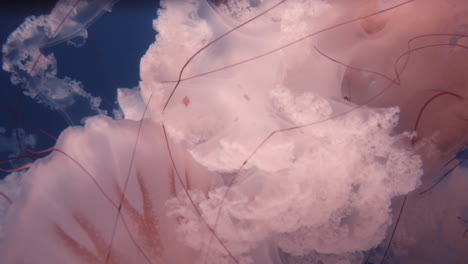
(186, 101)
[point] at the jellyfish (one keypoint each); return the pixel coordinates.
(294, 131)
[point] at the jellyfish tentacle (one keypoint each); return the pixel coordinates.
(394, 229)
(445, 175)
(32, 158)
(422, 48)
(6, 197)
(394, 81)
(22, 167)
(31, 70)
(458, 154)
(429, 101)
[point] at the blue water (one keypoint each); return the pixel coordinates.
(109, 59)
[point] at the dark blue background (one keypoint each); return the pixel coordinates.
(109, 59)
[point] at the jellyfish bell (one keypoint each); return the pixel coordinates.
(246, 152)
(76, 212)
(271, 195)
(374, 47)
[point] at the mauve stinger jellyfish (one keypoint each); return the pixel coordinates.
(261, 131)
